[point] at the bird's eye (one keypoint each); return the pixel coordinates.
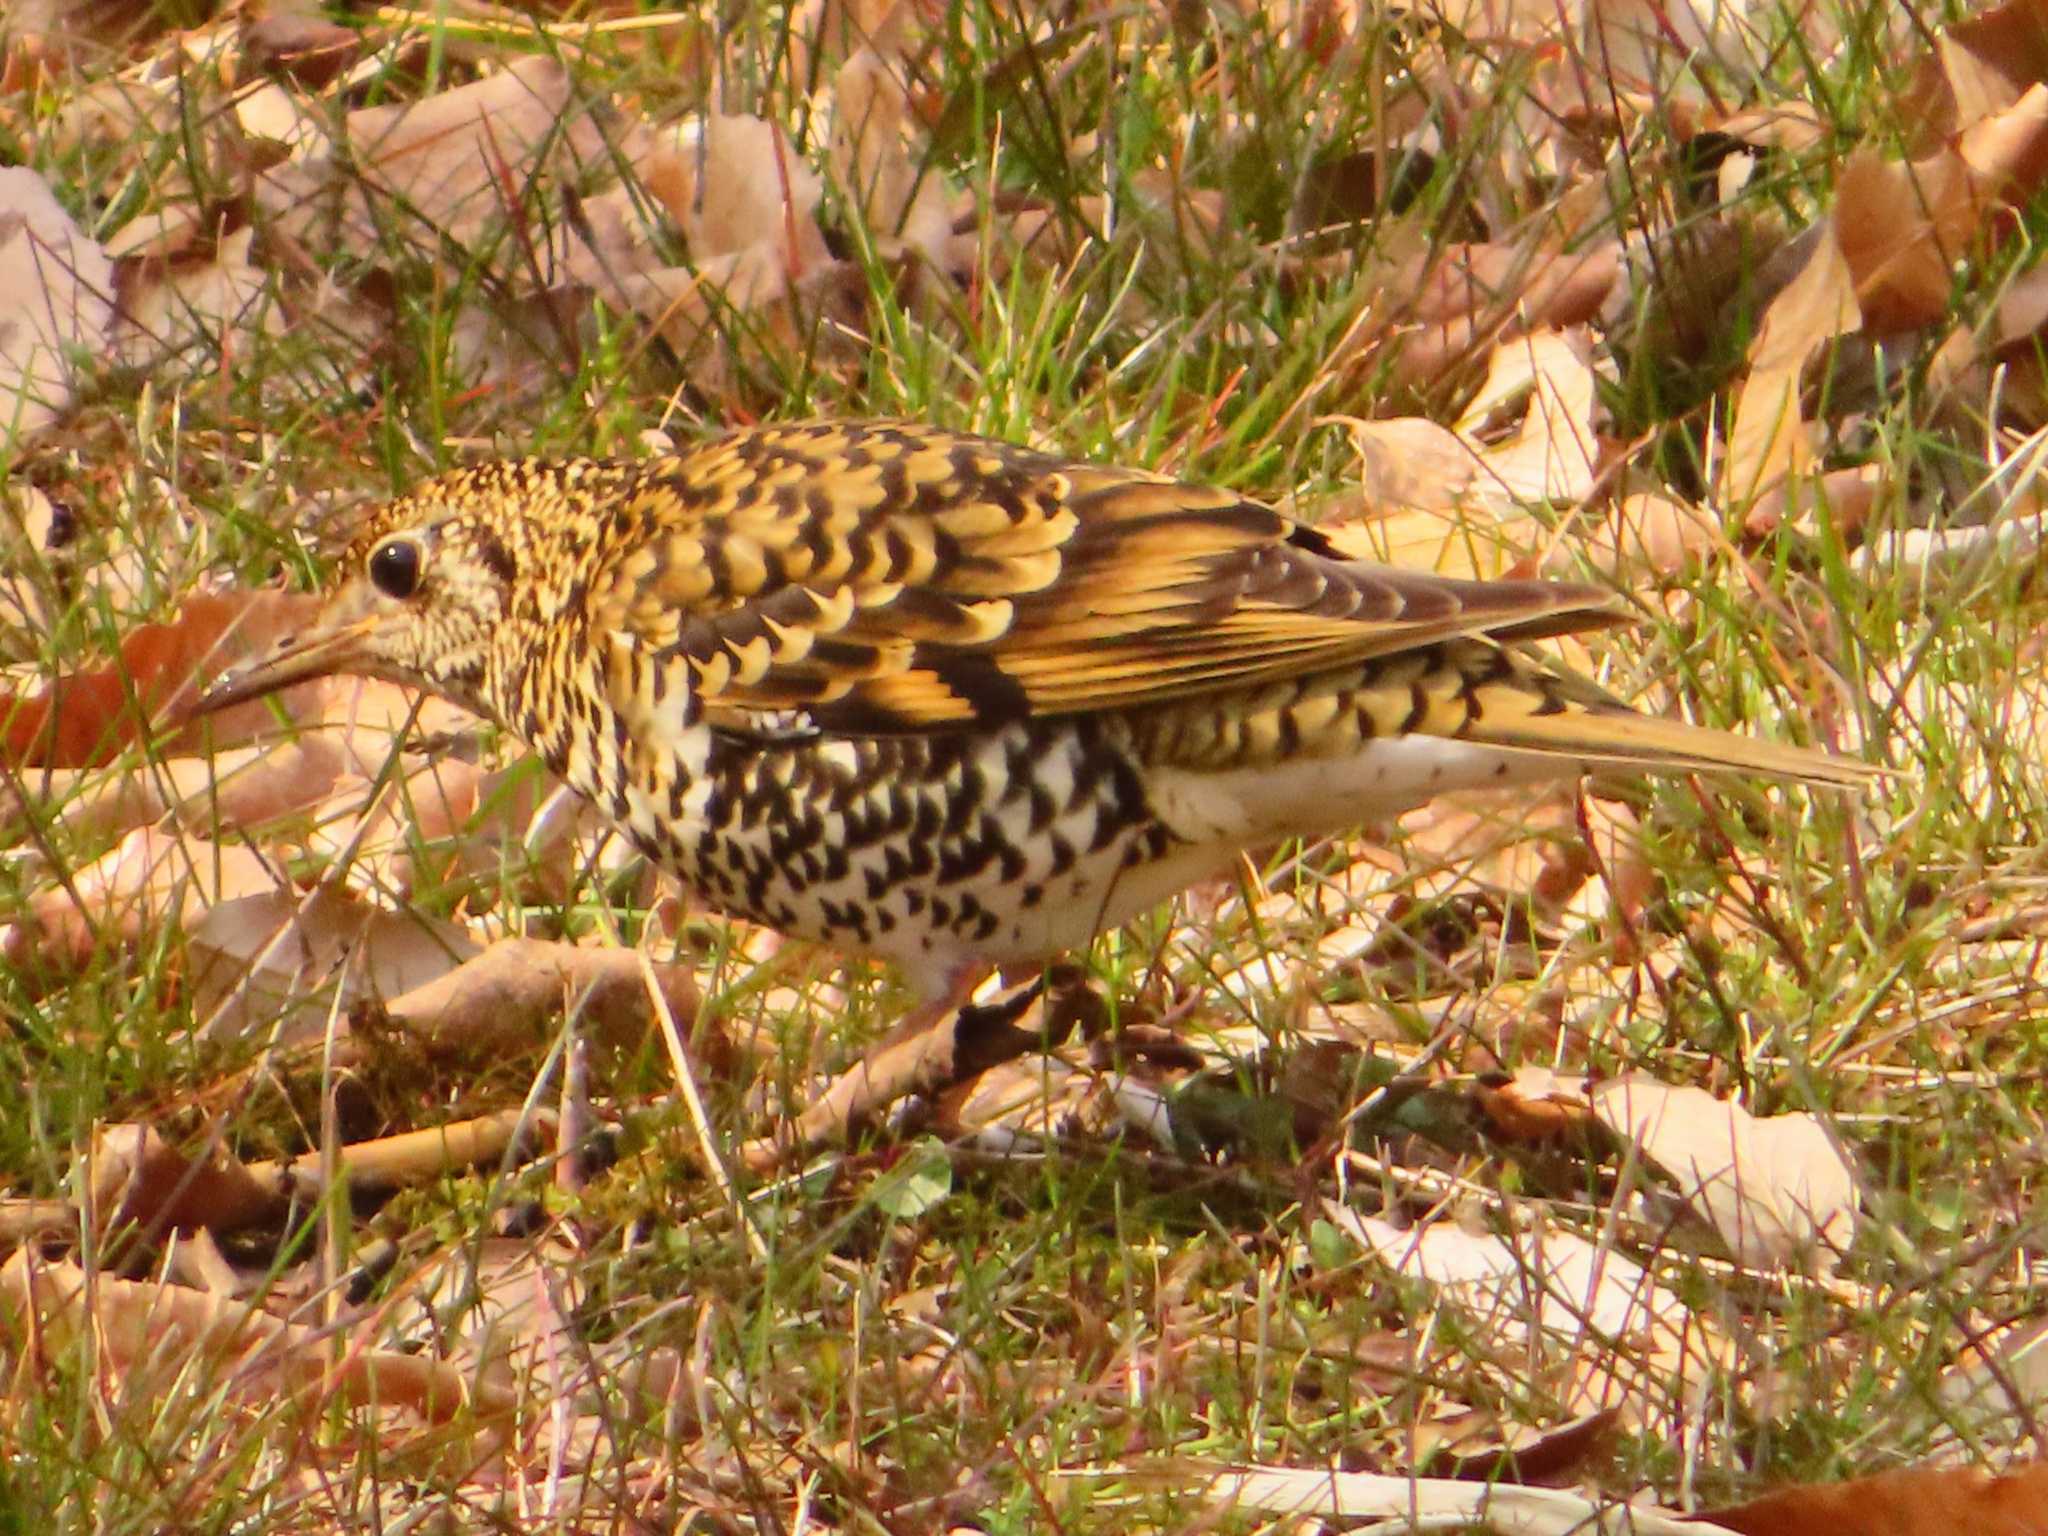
(395, 568)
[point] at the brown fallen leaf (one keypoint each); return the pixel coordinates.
(1769, 438)
(900, 196)
(502, 999)
(137, 1179)
(1776, 1188)
(275, 961)
(1902, 227)
(85, 719)
(1914, 1501)
(55, 304)
(151, 879)
(1649, 534)
(152, 1333)
(199, 309)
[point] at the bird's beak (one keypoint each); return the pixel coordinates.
(325, 649)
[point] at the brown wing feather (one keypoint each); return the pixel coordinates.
(894, 577)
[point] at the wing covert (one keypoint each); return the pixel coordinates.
(896, 578)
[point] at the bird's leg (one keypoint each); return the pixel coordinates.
(915, 1055)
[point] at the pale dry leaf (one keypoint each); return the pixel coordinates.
(1411, 462)
(266, 110)
(1629, 881)
(283, 964)
(31, 529)
(1024, 1103)
(1646, 46)
(161, 232)
(518, 990)
(453, 162)
(900, 196)
(1651, 534)
(1626, 1339)
(129, 110)
(1554, 455)
(825, 33)
(1501, 840)
(1427, 1503)
(747, 204)
(205, 307)
(1792, 126)
(1848, 494)
(1521, 22)
(1777, 1190)
(492, 1305)
(152, 878)
(1769, 438)
(1992, 1386)
(1470, 541)
(1519, 367)
(56, 305)
(153, 1335)
(742, 185)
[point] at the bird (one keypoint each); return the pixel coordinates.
(958, 703)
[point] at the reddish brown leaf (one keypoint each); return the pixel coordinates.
(1914, 1502)
(85, 719)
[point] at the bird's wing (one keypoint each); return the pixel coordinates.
(898, 578)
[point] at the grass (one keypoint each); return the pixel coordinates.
(825, 1351)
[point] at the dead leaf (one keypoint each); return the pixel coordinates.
(458, 159)
(1627, 1339)
(88, 717)
(204, 306)
(1650, 534)
(138, 1178)
(152, 1333)
(901, 197)
(499, 1000)
(1777, 1190)
(276, 962)
(1915, 1501)
(1769, 438)
(1553, 456)
(150, 879)
(56, 304)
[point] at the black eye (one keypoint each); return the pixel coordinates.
(395, 568)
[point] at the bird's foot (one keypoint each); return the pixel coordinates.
(936, 1045)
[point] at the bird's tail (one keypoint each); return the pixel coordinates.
(1602, 733)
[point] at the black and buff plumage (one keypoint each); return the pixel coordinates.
(953, 702)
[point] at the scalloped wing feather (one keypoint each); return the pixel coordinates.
(897, 578)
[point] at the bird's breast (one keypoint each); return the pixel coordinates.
(1002, 844)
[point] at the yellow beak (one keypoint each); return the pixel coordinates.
(318, 652)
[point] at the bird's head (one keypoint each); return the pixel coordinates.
(441, 584)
